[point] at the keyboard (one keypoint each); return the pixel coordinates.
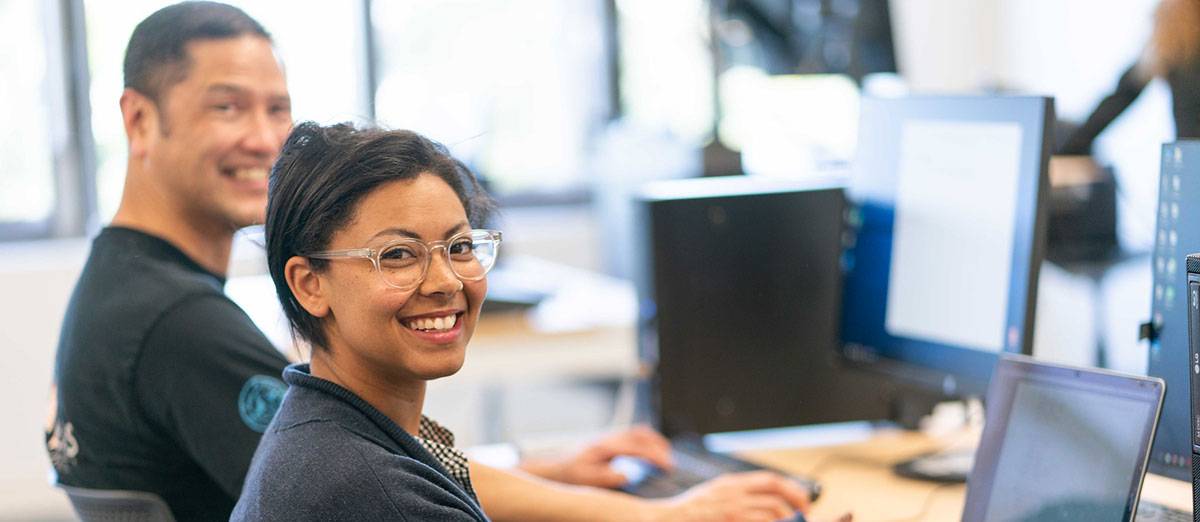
(1151, 512)
(693, 464)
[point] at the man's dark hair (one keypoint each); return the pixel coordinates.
(157, 58)
(321, 175)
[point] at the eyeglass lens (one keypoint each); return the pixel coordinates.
(403, 264)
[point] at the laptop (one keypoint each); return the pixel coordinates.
(1062, 443)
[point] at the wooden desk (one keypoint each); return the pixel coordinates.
(858, 478)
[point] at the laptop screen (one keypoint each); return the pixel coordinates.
(1062, 444)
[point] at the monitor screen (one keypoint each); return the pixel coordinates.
(946, 236)
(1178, 189)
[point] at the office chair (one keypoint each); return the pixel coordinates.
(109, 505)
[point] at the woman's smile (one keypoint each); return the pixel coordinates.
(443, 327)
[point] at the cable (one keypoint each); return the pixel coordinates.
(828, 461)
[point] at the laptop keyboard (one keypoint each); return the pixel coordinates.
(693, 465)
(1151, 512)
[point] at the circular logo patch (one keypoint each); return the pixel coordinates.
(259, 400)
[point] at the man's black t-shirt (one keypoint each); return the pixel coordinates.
(163, 384)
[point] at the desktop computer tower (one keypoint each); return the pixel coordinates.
(1193, 314)
(741, 317)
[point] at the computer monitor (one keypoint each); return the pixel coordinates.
(1178, 193)
(946, 237)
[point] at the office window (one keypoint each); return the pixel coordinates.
(518, 89)
(31, 101)
(666, 66)
(321, 44)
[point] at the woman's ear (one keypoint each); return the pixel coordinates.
(306, 286)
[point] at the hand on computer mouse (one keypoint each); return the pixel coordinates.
(752, 496)
(591, 465)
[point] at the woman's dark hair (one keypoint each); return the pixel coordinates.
(321, 175)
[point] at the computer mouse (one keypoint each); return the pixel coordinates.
(813, 487)
(635, 469)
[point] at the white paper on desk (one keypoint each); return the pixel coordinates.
(578, 299)
(952, 245)
(585, 305)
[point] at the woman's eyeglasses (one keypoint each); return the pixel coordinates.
(403, 263)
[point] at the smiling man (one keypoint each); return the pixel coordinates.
(164, 385)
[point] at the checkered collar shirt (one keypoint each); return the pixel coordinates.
(439, 442)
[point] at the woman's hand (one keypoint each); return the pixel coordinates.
(755, 496)
(591, 466)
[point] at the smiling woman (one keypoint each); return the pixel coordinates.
(371, 247)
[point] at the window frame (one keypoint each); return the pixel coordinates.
(75, 162)
(71, 152)
(75, 210)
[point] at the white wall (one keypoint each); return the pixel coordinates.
(946, 45)
(37, 279)
(1071, 49)
(1048, 46)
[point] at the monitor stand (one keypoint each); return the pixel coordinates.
(953, 463)
(949, 466)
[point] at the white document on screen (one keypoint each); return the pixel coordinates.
(953, 237)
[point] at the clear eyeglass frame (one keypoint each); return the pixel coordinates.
(484, 242)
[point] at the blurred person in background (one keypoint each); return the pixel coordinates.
(1173, 54)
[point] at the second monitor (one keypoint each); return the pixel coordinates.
(947, 237)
